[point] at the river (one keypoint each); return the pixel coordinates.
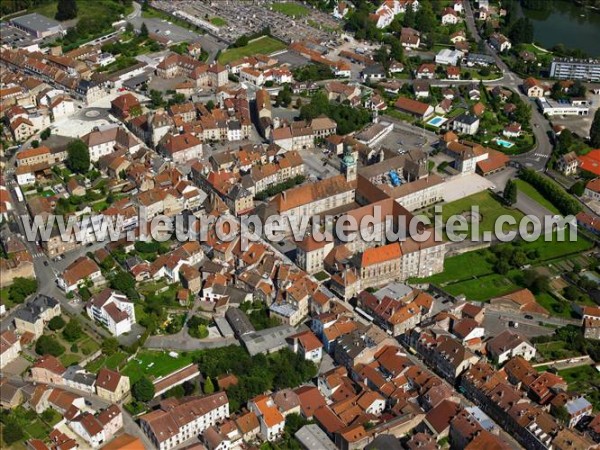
(563, 22)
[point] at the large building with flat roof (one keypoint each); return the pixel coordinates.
(575, 69)
(37, 25)
(267, 341)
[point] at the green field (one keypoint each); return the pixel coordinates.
(489, 209)
(550, 351)
(532, 192)
(218, 22)
(263, 45)
(153, 365)
(483, 288)
(290, 9)
(92, 9)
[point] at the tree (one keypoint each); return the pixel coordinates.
(56, 323)
(78, 157)
(12, 432)
(66, 10)
(143, 390)
(209, 387)
(123, 282)
(156, 98)
(409, 18)
(561, 413)
(21, 289)
(210, 105)
(35, 143)
(145, 5)
(382, 56)
(284, 97)
(47, 345)
(521, 32)
(45, 134)
(425, 20)
(144, 30)
(72, 331)
(595, 130)
(510, 192)
(110, 346)
(129, 27)
(578, 188)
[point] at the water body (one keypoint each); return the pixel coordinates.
(564, 22)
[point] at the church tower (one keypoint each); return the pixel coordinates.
(349, 166)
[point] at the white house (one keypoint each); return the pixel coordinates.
(466, 124)
(25, 175)
(340, 10)
(78, 273)
(500, 42)
(512, 130)
(271, 420)
(307, 344)
(113, 310)
(62, 107)
(592, 189)
(448, 57)
(449, 17)
(507, 345)
(252, 76)
(102, 141)
(89, 428)
(182, 420)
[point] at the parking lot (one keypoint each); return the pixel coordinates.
(462, 186)
(403, 141)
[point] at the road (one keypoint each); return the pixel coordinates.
(184, 342)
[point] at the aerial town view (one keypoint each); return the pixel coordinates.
(300, 224)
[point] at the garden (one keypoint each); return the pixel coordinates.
(67, 341)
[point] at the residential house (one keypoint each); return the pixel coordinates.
(35, 314)
(112, 386)
(113, 310)
(80, 272)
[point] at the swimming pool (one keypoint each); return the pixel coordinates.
(503, 143)
(437, 121)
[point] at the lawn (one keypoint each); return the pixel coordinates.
(218, 22)
(454, 268)
(490, 210)
(584, 380)
(554, 306)
(110, 362)
(153, 365)
(91, 9)
(532, 192)
(290, 9)
(483, 288)
(263, 45)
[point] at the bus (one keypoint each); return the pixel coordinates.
(19, 194)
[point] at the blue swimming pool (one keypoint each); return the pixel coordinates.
(437, 121)
(503, 143)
